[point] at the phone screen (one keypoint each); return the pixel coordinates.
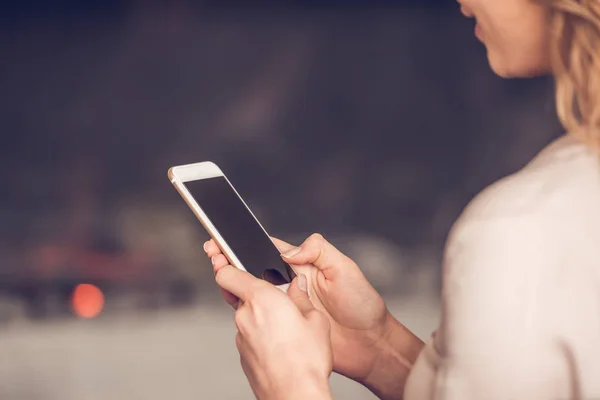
(236, 224)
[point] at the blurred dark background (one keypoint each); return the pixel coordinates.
(371, 122)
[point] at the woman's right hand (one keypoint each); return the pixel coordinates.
(360, 321)
(362, 329)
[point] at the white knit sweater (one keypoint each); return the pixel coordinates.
(521, 288)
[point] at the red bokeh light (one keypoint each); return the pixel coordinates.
(87, 300)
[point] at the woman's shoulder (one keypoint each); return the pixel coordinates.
(562, 181)
(524, 225)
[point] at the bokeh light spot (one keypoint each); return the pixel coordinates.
(87, 300)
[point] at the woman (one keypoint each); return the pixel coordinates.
(521, 283)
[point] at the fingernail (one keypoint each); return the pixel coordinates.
(302, 284)
(204, 246)
(212, 260)
(291, 253)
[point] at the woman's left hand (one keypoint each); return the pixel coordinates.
(284, 342)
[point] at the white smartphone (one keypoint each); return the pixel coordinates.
(229, 221)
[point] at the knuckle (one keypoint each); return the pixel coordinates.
(318, 244)
(316, 237)
(316, 241)
(239, 319)
(219, 260)
(249, 297)
(258, 296)
(220, 275)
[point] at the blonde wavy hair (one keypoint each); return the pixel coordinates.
(575, 62)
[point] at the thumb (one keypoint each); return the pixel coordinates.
(319, 252)
(298, 292)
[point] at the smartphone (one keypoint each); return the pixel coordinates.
(229, 221)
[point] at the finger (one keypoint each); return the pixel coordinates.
(232, 300)
(298, 292)
(243, 319)
(218, 261)
(237, 282)
(211, 248)
(281, 245)
(319, 252)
